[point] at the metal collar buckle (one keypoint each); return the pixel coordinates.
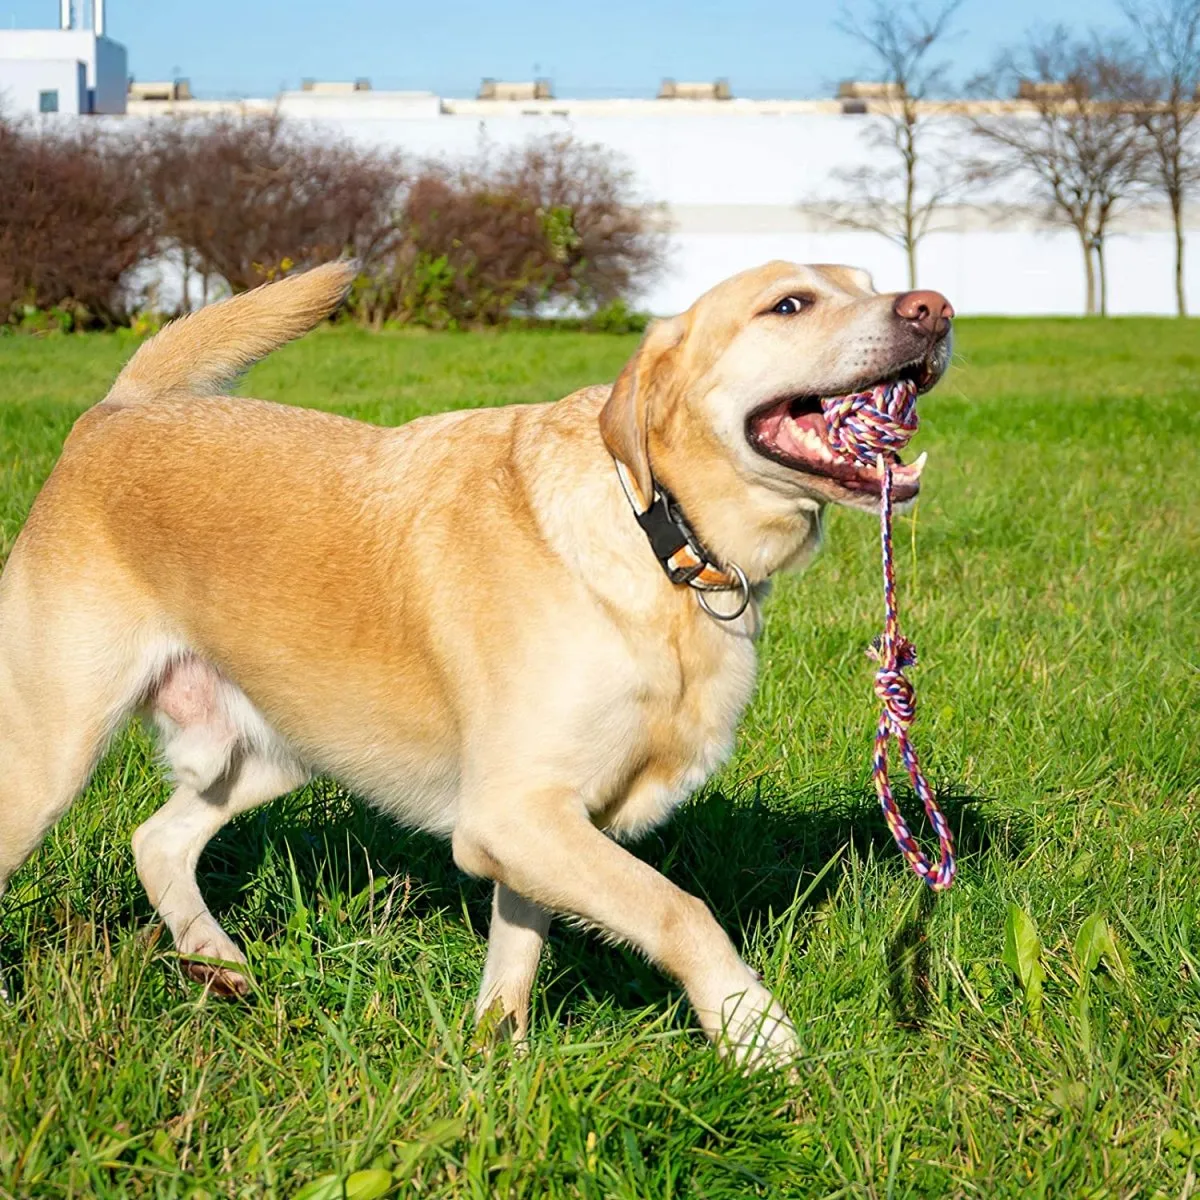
(743, 585)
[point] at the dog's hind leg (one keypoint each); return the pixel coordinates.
(168, 846)
(221, 769)
(74, 660)
(515, 940)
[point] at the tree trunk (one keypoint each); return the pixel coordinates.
(1089, 276)
(1180, 290)
(1103, 277)
(910, 194)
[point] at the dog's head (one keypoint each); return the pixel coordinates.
(723, 404)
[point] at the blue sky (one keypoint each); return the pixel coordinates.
(617, 47)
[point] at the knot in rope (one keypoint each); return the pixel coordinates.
(898, 696)
(872, 427)
(903, 654)
(892, 686)
(869, 425)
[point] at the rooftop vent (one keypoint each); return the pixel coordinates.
(324, 87)
(1044, 89)
(717, 90)
(496, 89)
(160, 90)
(865, 89)
(67, 15)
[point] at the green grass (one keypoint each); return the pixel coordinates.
(1050, 580)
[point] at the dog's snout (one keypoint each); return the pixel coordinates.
(930, 312)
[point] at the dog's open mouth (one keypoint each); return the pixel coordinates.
(793, 432)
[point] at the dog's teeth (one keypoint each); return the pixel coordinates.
(808, 438)
(918, 464)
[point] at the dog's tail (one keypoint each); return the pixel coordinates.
(202, 354)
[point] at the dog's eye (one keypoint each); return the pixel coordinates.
(789, 306)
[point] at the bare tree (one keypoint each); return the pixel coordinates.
(1168, 33)
(899, 201)
(1076, 138)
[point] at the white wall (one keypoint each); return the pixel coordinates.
(995, 273)
(742, 183)
(22, 81)
(104, 59)
(740, 190)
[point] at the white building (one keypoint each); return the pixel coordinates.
(73, 69)
(743, 181)
(736, 181)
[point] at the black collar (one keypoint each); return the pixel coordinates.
(667, 530)
(678, 548)
(680, 553)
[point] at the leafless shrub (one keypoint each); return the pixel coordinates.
(242, 199)
(74, 224)
(248, 197)
(602, 243)
(551, 223)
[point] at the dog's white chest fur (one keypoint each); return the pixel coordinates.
(680, 730)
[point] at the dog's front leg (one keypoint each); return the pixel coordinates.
(544, 846)
(515, 940)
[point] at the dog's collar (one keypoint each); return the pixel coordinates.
(679, 550)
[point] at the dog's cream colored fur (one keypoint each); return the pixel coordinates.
(459, 619)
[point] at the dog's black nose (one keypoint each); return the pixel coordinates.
(930, 312)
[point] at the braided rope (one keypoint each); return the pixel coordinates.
(871, 427)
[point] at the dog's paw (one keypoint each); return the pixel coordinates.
(496, 1026)
(211, 959)
(754, 1030)
(217, 978)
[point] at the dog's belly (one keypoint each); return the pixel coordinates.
(206, 720)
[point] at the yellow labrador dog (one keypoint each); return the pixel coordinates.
(487, 623)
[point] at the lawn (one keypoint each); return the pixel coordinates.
(1049, 577)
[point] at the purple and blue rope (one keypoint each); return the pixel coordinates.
(871, 427)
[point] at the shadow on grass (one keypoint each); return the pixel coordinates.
(751, 859)
(908, 966)
(747, 857)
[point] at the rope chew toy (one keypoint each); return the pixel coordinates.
(871, 427)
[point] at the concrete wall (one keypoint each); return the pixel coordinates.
(742, 188)
(1034, 272)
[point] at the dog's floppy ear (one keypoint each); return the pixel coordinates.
(625, 417)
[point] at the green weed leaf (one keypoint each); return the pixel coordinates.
(368, 1185)
(1091, 941)
(1095, 946)
(325, 1187)
(1023, 956)
(361, 1185)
